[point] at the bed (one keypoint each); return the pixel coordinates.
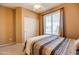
(50, 45)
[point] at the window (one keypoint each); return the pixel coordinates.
(47, 24)
(52, 23)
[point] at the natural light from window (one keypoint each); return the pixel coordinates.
(52, 23)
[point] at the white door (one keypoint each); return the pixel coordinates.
(29, 27)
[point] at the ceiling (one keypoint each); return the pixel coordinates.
(45, 6)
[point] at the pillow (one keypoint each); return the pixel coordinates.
(77, 43)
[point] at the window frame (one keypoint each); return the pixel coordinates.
(44, 22)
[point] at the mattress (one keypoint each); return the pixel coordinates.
(50, 45)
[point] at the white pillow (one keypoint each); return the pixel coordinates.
(77, 43)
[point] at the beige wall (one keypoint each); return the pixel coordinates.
(18, 25)
(20, 14)
(6, 25)
(11, 28)
(72, 20)
(71, 15)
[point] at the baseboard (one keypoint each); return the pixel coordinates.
(3, 45)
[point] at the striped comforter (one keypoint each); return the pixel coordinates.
(50, 45)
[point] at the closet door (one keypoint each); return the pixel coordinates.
(29, 27)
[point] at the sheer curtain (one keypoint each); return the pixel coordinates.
(53, 23)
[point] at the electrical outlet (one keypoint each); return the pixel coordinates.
(10, 39)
